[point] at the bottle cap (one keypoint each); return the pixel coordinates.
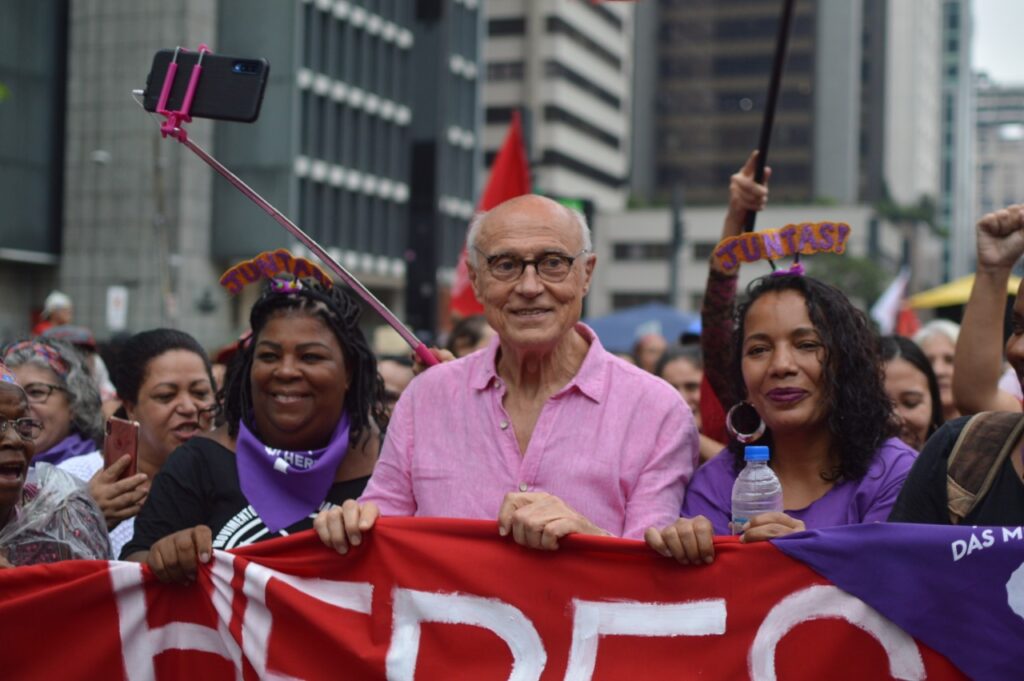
(755, 453)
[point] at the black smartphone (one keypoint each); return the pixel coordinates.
(229, 89)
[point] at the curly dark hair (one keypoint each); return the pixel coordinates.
(898, 347)
(860, 415)
(339, 309)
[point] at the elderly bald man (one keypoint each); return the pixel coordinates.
(544, 429)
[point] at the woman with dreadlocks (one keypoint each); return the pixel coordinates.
(304, 417)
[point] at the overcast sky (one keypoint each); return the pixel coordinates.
(999, 40)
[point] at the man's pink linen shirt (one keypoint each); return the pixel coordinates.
(617, 444)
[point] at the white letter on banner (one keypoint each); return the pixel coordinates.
(830, 602)
(1015, 591)
(593, 618)
(257, 622)
(140, 644)
(509, 623)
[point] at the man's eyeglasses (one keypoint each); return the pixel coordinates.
(38, 393)
(27, 428)
(551, 267)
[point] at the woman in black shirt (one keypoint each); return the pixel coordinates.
(303, 411)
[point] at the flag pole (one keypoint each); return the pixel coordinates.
(781, 41)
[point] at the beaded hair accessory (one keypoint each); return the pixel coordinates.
(771, 244)
(271, 265)
(45, 352)
(6, 376)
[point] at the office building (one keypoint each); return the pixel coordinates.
(956, 195)
(33, 46)
(346, 102)
(858, 108)
(1000, 146)
(569, 65)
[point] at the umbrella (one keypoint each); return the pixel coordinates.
(954, 293)
(618, 331)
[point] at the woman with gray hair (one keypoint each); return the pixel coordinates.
(61, 395)
(64, 399)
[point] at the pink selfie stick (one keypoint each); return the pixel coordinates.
(174, 127)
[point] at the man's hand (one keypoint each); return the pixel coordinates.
(771, 525)
(118, 499)
(176, 557)
(1001, 238)
(688, 540)
(342, 526)
(538, 520)
(442, 355)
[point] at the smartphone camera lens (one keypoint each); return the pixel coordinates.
(245, 67)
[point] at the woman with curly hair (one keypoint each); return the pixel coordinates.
(806, 365)
(304, 418)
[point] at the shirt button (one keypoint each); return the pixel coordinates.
(504, 425)
(523, 487)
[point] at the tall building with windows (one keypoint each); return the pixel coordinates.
(569, 65)
(355, 87)
(956, 194)
(1000, 146)
(857, 114)
(33, 53)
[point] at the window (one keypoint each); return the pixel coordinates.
(558, 114)
(554, 69)
(511, 26)
(641, 251)
(558, 26)
(702, 250)
(505, 70)
(621, 301)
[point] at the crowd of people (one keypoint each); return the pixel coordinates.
(528, 420)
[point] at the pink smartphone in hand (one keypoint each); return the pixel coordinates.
(122, 437)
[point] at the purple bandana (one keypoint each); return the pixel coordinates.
(283, 486)
(71, 446)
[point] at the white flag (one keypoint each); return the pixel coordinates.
(887, 308)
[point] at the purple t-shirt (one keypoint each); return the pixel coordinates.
(848, 503)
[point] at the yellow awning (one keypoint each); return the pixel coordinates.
(954, 293)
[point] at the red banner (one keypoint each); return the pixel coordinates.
(444, 599)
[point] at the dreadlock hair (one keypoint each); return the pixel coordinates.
(338, 308)
(860, 414)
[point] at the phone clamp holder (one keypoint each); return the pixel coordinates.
(175, 123)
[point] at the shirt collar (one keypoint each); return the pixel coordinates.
(589, 380)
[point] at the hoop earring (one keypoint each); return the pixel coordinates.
(744, 438)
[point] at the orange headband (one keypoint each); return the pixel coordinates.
(770, 244)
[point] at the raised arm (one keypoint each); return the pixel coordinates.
(720, 293)
(978, 361)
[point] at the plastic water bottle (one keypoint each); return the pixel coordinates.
(756, 490)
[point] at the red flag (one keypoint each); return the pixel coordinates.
(907, 323)
(510, 177)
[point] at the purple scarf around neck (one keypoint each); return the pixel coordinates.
(71, 446)
(284, 486)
